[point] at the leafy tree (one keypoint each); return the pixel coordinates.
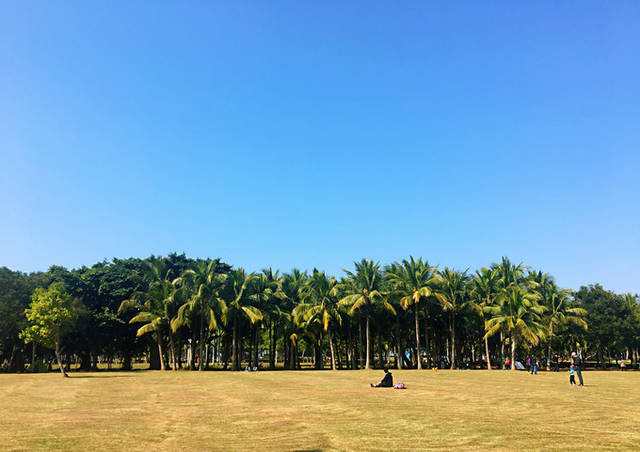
(452, 294)
(201, 286)
(518, 313)
(558, 309)
(364, 291)
(320, 306)
(156, 307)
(485, 290)
(291, 288)
(414, 281)
(51, 314)
(236, 294)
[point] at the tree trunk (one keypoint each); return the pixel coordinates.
(201, 351)
(549, 348)
(160, 350)
(33, 356)
(256, 345)
(418, 356)
(234, 346)
(501, 347)
(486, 351)
(64, 373)
(368, 363)
(360, 361)
(126, 359)
(453, 341)
(333, 358)
(513, 352)
(174, 366)
(381, 361)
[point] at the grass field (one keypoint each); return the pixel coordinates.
(284, 410)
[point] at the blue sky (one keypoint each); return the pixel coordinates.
(314, 133)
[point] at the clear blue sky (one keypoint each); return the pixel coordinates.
(317, 133)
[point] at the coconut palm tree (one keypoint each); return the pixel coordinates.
(559, 312)
(236, 293)
(364, 291)
(201, 285)
(509, 274)
(518, 313)
(156, 306)
(452, 294)
(414, 281)
(264, 290)
(291, 287)
(272, 297)
(485, 290)
(320, 306)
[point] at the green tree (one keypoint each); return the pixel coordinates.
(51, 314)
(414, 281)
(517, 313)
(156, 307)
(364, 291)
(237, 295)
(558, 309)
(201, 286)
(485, 290)
(320, 306)
(452, 294)
(291, 288)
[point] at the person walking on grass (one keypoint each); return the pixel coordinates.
(577, 365)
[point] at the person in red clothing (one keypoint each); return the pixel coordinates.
(508, 363)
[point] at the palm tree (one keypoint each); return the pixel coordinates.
(201, 284)
(517, 313)
(157, 306)
(452, 294)
(363, 289)
(271, 298)
(264, 290)
(291, 288)
(414, 280)
(320, 306)
(236, 293)
(485, 290)
(560, 312)
(509, 275)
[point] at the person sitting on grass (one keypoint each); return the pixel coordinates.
(386, 382)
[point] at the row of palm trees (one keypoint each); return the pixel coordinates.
(514, 304)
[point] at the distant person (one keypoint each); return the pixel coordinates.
(623, 364)
(572, 376)
(534, 366)
(507, 364)
(577, 365)
(386, 382)
(556, 363)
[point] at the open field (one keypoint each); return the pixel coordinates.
(285, 410)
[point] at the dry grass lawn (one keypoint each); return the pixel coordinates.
(441, 410)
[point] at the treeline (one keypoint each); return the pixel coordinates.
(177, 312)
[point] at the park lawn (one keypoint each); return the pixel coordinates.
(318, 410)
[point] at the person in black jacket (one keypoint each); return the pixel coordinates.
(386, 382)
(577, 365)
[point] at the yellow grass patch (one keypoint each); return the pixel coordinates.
(307, 410)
